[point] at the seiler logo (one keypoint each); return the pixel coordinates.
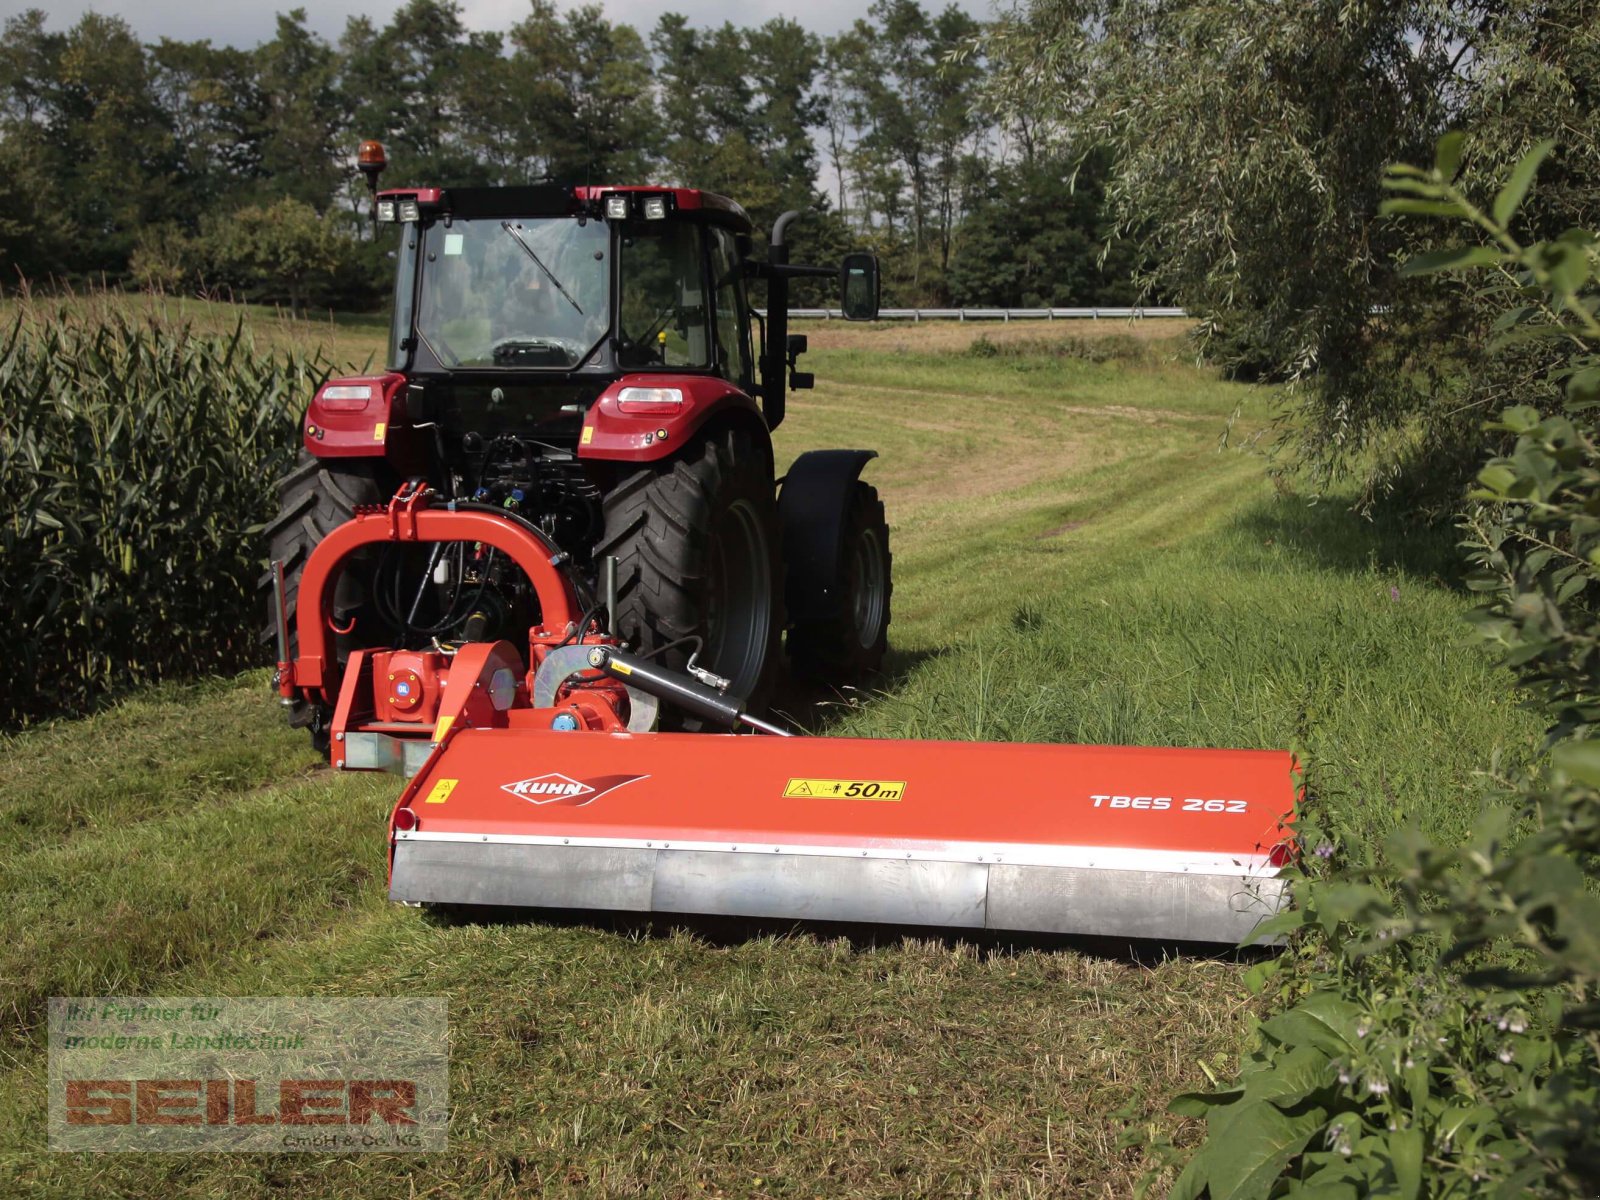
(555, 788)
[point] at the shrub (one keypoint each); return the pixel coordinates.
(1110, 347)
(282, 251)
(1440, 1033)
(135, 456)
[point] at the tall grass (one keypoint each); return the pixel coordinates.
(136, 453)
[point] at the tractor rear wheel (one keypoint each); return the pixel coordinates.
(313, 499)
(696, 543)
(850, 645)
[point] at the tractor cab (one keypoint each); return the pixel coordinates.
(546, 295)
(570, 280)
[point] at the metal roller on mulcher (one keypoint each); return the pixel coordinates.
(563, 622)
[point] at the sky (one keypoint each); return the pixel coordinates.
(246, 24)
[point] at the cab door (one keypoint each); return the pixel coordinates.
(735, 359)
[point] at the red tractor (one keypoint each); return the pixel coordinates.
(585, 363)
(554, 514)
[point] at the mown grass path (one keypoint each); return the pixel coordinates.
(1077, 558)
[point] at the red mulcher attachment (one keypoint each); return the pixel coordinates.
(530, 790)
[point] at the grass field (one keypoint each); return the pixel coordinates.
(346, 341)
(1084, 550)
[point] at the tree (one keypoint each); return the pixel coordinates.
(1249, 138)
(1439, 1032)
(738, 107)
(1037, 238)
(86, 131)
(585, 83)
(405, 85)
(284, 250)
(297, 77)
(35, 233)
(784, 60)
(914, 105)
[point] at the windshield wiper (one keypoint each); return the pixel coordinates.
(539, 262)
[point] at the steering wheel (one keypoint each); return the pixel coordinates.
(530, 341)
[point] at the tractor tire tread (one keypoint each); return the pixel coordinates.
(657, 522)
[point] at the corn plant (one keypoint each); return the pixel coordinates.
(136, 455)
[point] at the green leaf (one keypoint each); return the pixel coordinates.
(1578, 760)
(1520, 418)
(1584, 386)
(1497, 479)
(1421, 208)
(1249, 1148)
(1405, 1154)
(1283, 922)
(1426, 188)
(1200, 1104)
(1513, 316)
(1447, 154)
(1571, 587)
(1257, 976)
(1567, 268)
(1326, 1191)
(1192, 1183)
(1291, 1078)
(1455, 258)
(1299, 1028)
(1511, 195)
(1527, 333)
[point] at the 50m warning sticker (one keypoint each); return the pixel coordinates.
(847, 789)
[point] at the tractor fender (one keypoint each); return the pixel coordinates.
(642, 430)
(349, 424)
(811, 510)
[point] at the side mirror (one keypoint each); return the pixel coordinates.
(859, 287)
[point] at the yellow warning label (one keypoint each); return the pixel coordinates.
(441, 791)
(377, 431)
(847, 789)
(588, 435)
(442, 728)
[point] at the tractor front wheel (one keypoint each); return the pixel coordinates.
(696, 543)
(314, 499)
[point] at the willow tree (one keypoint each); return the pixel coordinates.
(1249, 138)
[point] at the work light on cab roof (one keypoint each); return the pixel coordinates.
(543, 563)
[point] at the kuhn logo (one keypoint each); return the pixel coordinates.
(555, 788)
(543, 789)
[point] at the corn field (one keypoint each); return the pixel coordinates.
(137, 454)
